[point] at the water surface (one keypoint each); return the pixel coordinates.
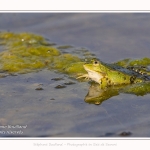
(63, 112)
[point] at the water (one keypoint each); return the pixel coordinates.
(53, 112)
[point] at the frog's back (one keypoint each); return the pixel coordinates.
(120, 75)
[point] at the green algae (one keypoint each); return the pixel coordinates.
(13, 38)
(139, 89)
(71, 69)
(134, 62)
(142, 62)
(26, 52)
(63, 60)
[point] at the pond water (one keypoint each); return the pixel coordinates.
(32, 106)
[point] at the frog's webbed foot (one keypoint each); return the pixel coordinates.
(86, 76)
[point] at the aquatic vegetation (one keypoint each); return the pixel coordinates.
(133, 62)
(139, 89)
(26, 52)
(73, 67)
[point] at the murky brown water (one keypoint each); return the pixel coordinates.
(62, 112)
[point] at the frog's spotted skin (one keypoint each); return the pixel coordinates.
(110, 74)
(144, 71)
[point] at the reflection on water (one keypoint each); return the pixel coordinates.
(96, 94)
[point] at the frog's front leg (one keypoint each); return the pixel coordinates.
(86, 76)
(105, 82)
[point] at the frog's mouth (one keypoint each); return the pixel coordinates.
(94, 75)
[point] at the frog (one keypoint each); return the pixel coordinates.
(107, 74)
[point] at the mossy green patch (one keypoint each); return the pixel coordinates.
(142, 62)
(71, 69)
(139, 89)
(25, 52)
(64, 60)
(134, 62)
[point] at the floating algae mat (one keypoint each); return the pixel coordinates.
(26, 52)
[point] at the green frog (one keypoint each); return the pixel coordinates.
(112, 74)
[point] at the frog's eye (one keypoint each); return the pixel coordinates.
(95, 63)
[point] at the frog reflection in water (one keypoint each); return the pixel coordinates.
(112, 79)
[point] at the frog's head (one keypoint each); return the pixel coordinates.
(94, 71)
(93, 66)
